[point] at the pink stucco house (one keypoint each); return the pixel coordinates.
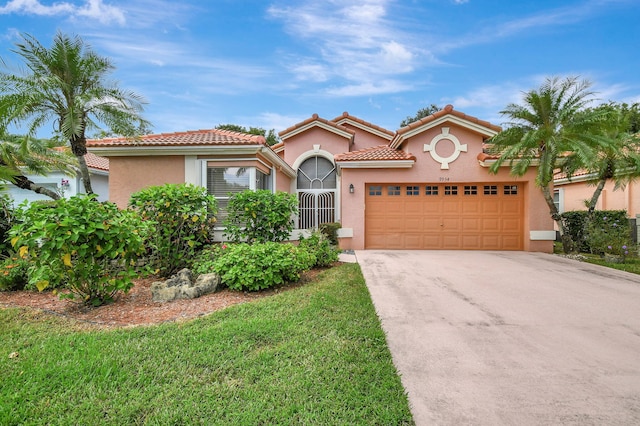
(571, 194)
(424, 186)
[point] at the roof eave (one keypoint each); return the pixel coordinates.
(475, 127)
(376, 164)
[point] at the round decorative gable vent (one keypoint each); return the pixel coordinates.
(431, 148)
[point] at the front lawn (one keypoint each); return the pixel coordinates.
(313, 355)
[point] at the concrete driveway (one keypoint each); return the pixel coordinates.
(489, 338)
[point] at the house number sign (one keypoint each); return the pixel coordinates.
(431, 148)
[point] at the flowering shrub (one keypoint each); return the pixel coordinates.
(86, 246)
(258, 266)
(183, 216)
(609, 234)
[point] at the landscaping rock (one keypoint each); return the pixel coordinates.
(181, 286)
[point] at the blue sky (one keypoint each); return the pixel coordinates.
(274, 63)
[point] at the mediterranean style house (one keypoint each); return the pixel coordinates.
(424, 186)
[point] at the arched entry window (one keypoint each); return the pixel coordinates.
(316, 187)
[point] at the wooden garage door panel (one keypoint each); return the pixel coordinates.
(486, 217)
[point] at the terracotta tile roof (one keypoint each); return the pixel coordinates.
(96, 162)
(346, 116)
(310, 120)
(447, 110)
(376, 153)
(188, 138)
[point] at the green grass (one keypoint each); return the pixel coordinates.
(631, 263)
(311, 355)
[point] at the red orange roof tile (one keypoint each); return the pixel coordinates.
(376, 153)
(188, 138)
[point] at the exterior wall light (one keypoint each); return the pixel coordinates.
(351, 188)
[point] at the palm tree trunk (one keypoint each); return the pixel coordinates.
(79, 149)
(84, 174)
(596, 195)
(24, 182)
(567, 242)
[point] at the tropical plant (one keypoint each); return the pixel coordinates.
(550, 126)
(618, 156)
(320, 246)
(183, 216)
(609, 233)
(260, 216)
(87, 247)
(260, 266)
(67, 84)
(35, 156)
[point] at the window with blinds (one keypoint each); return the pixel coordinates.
(224, 182)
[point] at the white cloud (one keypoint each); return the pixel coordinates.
(349, 40)
(93, 9)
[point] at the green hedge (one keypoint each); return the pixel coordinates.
(577, 224)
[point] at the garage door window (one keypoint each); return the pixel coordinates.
(413, 190)
(375, 190)
(450, 190)
(470, 190)
(393, 190)
(511, 190)
(431, 190)
(491, 190)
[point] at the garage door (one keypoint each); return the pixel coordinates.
(472, 216)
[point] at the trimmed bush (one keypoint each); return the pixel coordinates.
(321, 248)
(259, 266)
(578, 225)
(86, 246)
(330, 230)
(260, 216)
(14, 274)
(183, 216)
(608, 232)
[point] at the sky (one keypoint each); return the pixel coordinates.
(274, 63)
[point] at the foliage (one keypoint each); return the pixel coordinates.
(260, 216)
(321, 248)
(422, 113)
(14, 273)
(7, 220)
(183, 216)
(617, 157)
(575, 225)
(67, 84)
(87, 246)
(330, 230)
(259, 266)
(271, 137)
(35, 156)
(551, 122)
(608, 232)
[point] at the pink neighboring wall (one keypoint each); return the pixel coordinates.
(131, 174)
(575, 194)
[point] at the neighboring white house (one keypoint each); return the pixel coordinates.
(67, 185)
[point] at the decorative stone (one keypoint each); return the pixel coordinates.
(182, 286)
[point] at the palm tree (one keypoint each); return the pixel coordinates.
(67, 84)
(33, 156)
(618, 158)
(550, 129)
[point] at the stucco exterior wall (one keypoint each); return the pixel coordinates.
(364, 139)
(573, 196)
(464, 169)
(131, 174)
(300, 144)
